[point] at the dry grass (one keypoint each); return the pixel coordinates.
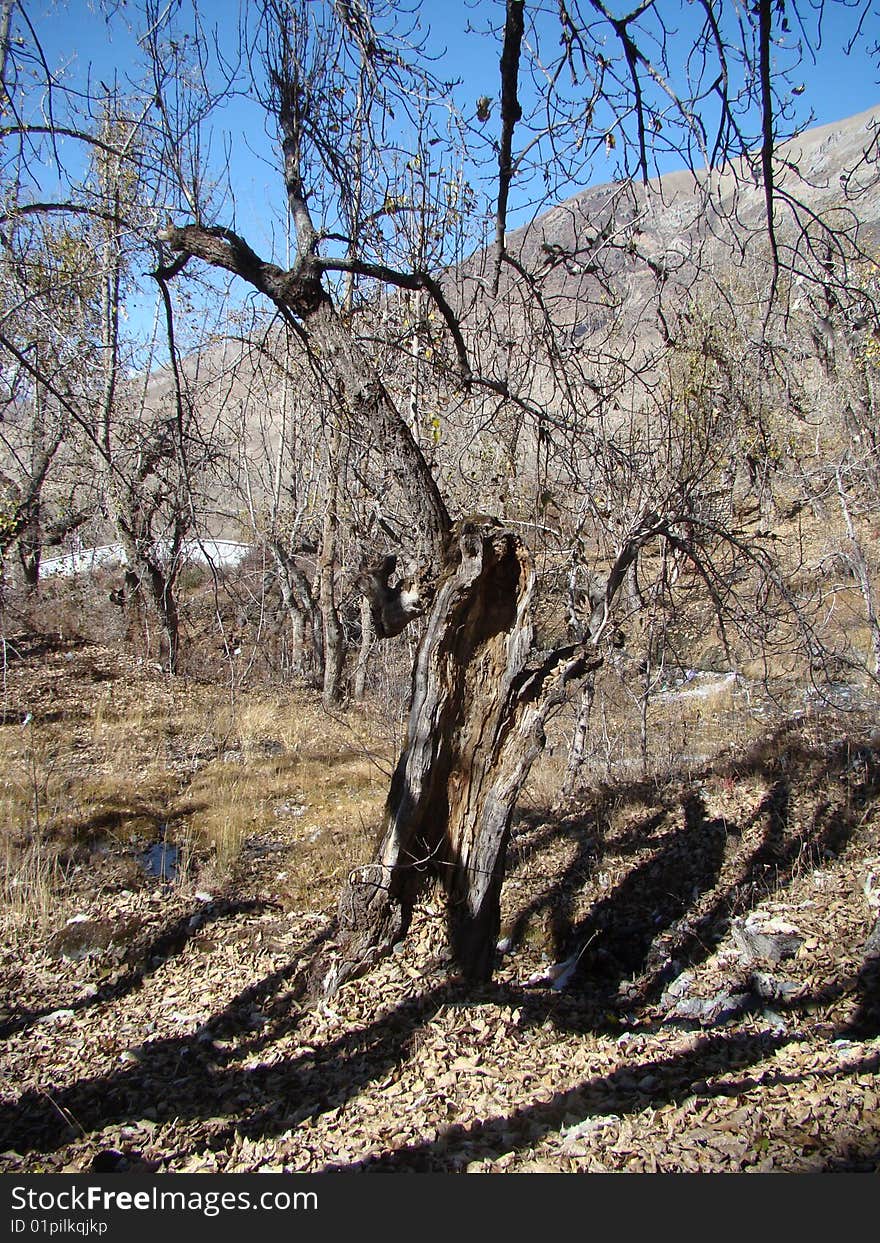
(101, 757)
(32, 883)
(100, 761)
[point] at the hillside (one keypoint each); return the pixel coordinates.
(724, 1013)
(655, 243)
(605, 261)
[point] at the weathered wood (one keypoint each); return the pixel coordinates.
(446, 817)
(448, 812)
(475, 727)
(391, 608)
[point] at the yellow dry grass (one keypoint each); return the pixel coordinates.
(119, 765)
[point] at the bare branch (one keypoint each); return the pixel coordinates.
(511, 112)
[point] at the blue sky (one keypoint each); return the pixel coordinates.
(837, 86)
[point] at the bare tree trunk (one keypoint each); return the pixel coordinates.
(359, 687)
(30, 549)
(859, 564)
(475, 728)
(297, 640)
(304, 613)
(162, 589)
(147, 582)
(334, 639)
(577, 754)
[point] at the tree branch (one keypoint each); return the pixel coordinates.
(221, 248)
(765, 33)
(410, 280)
(511, 112)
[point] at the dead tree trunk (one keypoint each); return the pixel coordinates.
(478, 710)
(475, 728)
(436, 823)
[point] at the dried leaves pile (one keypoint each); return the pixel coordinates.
(720, 1010)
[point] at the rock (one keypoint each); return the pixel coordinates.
(872, 945)
(772, 988)
(707, 1011)
(57, 1016)
(84, 938)
(110, 1161)
(677, 988)
(774, 1021)
(764, 937)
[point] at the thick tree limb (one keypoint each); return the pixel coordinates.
(221, 248)
(409, 280)
(765, 35)
(346, 370)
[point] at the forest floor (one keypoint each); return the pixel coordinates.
(721, 1013)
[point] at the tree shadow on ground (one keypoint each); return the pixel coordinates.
(603, 1096)
(192, 1077)
(206, 1084)
(30, 646)
(263, 1101)
(142, 959)
(865, 1023)
(670, 911)
(615, 1094)
(556, 903)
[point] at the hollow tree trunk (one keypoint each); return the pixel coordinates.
(443, 817)
(475, 728)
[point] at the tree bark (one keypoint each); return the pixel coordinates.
(475, 728)
(860, 568)
(334, 639)
(578, 751)
(359, 685)
(304, 613)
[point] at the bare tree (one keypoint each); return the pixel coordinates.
(70, 258)
(558, 360)
(482, 694)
